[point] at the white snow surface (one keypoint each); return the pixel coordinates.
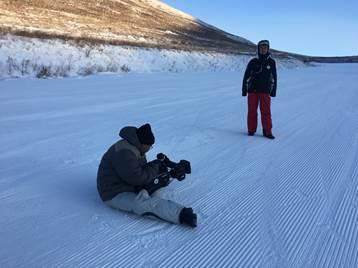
(31, 57)
(288, 202)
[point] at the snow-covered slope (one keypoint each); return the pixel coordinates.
(21, 57)
(144, 23)
(291, 202)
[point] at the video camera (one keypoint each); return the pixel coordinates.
(168, 169)
(176, 170)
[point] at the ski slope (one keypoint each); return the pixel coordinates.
(290, 202)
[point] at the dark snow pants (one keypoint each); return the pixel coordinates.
(254, 99)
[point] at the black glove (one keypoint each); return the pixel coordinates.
(159, 164)
(244, 94)
(155, 162)
(162, 167)
(273, 94)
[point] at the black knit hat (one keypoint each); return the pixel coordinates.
(264, 43)
(145, 135)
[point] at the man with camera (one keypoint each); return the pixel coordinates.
(126, 181)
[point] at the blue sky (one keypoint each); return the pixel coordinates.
(315, 28)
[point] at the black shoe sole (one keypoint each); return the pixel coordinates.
(269, 137)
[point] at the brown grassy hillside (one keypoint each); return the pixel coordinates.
(127, 22)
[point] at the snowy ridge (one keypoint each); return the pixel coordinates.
(139, 23)
(291, 202)
(173, 11)
(233, 37)
(30, 57)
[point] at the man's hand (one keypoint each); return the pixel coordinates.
(161, 166)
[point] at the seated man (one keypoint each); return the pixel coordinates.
(124, 175)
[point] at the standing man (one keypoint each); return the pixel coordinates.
(260, 83)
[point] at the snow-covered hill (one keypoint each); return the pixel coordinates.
(143, 23)
(31, 57)
(291, 202)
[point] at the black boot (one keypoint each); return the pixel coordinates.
(188, 217)
(250, 133)
(268, 135)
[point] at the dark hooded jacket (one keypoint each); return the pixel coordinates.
(124, 168)
(260, 75)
